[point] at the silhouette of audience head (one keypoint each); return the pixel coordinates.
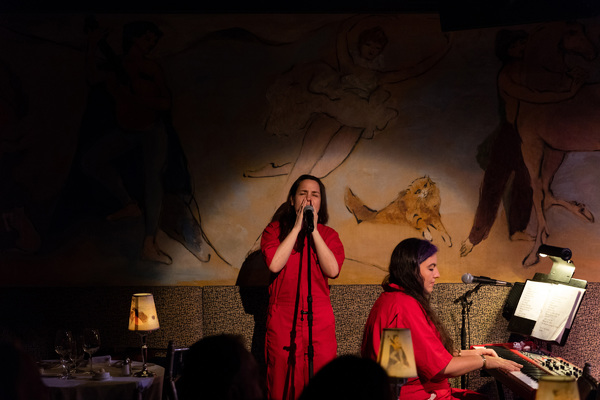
(349, 377)
(19, 376)
(219, 367)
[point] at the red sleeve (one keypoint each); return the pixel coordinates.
(372, 338)
(269, 241)
(332, 240)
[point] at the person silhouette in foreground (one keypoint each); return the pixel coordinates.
(219, 367)
(349, 377)
(19, 376)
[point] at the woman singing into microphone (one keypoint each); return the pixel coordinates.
(405, 303)
(283, 245)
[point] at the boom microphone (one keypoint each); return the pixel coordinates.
(309, 218)
(468, 278)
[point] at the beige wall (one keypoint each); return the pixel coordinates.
(221, 70)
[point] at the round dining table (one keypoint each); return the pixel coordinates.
(115, 386)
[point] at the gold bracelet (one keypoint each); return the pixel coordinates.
(484, 361)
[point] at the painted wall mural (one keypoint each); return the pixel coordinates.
(153, 149)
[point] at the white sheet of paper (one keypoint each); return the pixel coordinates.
(556, 312)
(533, 297)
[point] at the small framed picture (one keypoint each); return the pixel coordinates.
(396, 353)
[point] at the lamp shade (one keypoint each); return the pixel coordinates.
(142, 316)
(396, 354)
(557, 388)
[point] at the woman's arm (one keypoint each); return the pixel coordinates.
(93, 75)
(418, 69)
(327, 259)
(471, 360)
(282, 254)
(345, 62)
(508, 86)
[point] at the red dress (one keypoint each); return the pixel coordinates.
(396, 309)
(283, 379)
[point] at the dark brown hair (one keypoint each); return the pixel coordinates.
(405, 272)
(286, 215)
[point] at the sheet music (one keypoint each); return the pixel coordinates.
(552, 306)
(534, 294)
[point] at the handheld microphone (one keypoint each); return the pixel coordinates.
(468, 278)
(309, 218)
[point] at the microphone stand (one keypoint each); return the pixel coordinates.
(309, 309)
(466, 306)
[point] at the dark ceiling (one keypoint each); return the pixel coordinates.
(454, 14)
(467, 14)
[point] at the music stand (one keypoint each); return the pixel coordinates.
(561, 273)
(397, 357)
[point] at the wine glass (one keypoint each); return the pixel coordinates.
(76, 353)
(63, 345)
(91, 344)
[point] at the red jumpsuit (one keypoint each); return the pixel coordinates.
(283, 379)
(396, 309)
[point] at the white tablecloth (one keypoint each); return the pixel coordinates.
(117, 387)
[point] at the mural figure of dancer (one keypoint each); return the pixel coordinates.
(17, 230)
(506, 174)
(548, 131)
(139, 90)
(128, 143)
(333, 107)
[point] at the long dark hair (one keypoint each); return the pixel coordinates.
(286, 214)
(405, 272)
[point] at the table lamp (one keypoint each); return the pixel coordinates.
(143, 320)
(557, 387)
(397, 357)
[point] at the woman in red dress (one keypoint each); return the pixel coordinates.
(405, 304)
(283, 245)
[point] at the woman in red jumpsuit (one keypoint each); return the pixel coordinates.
(283, 245)
(405, 304)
